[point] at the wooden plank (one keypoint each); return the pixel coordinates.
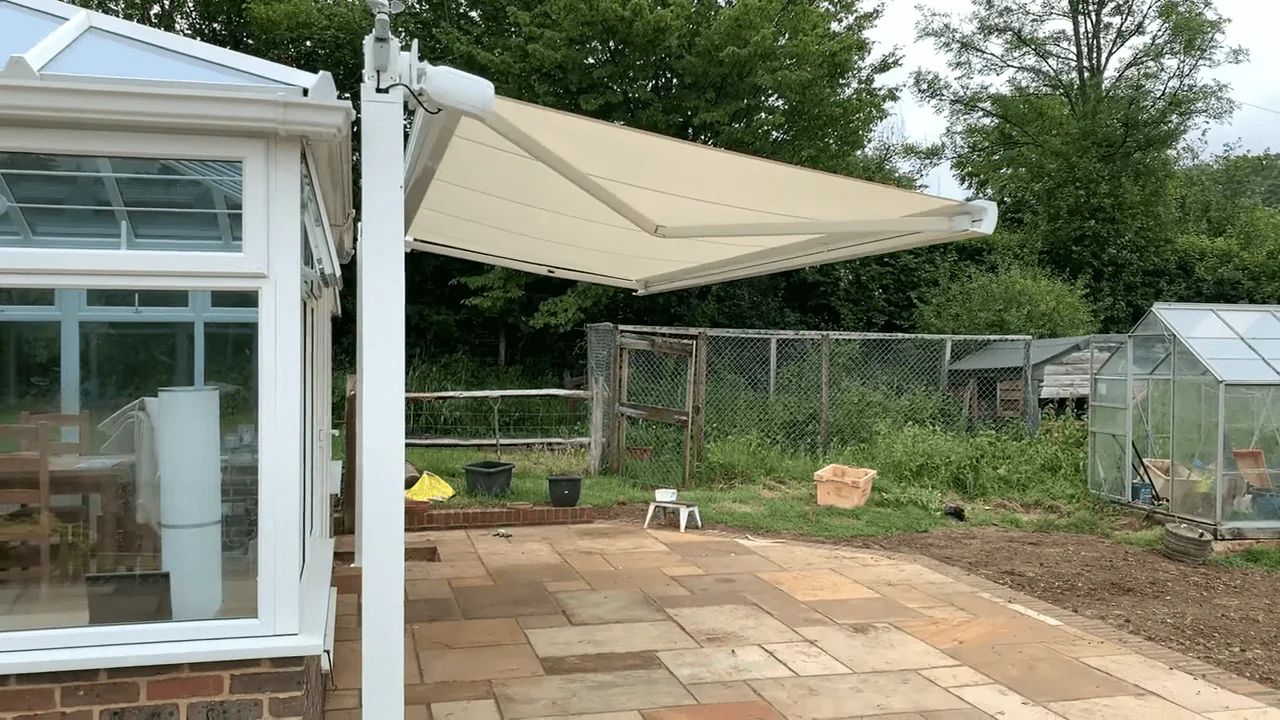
(663, 345)
(621, 372)
(496, 394)
(825, 428)
(503, 442)
(653, 413)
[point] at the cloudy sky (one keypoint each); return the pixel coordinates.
(1253, 26)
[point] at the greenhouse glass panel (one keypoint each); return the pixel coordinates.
(1251, 449)
(1252, 324)
(1107, 469)
(1193, 489)
(1255, 370)
(1196, 323)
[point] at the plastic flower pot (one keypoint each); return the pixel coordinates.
(565, 490)
(488, 477)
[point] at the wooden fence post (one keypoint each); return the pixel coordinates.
(825, 428)
(595, 451)
(621, 369)
(698, 410)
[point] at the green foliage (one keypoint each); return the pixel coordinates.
(1258, 557)
(1069, 114)
(1011, 301)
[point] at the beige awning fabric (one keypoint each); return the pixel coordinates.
(555, 193)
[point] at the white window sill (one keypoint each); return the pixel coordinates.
(309, 641)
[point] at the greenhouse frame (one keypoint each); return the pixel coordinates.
(1184, 417)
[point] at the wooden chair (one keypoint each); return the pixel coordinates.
(58, 422)
(25, 478)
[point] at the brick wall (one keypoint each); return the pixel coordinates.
(237, 690)
(420, 516)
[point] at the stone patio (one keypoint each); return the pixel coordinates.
(611, 622)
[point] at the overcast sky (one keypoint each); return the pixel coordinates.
(1253, 26)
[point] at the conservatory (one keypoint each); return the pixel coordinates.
(172, 219)
(1185, 417)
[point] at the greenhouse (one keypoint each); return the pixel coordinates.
(1185, 417)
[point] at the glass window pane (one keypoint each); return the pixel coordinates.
(111, 203)
(137, 298)
(1269, 349)
(1224, 348)
(1252, 323)
(1196, 323)
(1107, 464)
(123, 483)
(1192, 485)
(100, 53)
(26, 297)
(234, 299)
(1107, 419)
(1244, 370)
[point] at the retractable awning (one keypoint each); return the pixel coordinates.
(550, 192)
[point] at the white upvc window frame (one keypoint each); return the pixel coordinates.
(273, 176)
(260, 164)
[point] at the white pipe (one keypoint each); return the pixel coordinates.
(191, 500)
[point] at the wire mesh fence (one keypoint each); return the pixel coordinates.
(811, 391)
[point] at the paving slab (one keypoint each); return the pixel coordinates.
(845, 696)
(540, 573)
(423, 589)
(431, 610)
(705, 547)
(752, 710)
(634, 560)
(907, 595)
(876, 647)
(601, 662)
(589, 693)
(482, 663)
(446, 692)
(797, 557)
(1186, 690)
(1001, 702)
(738, 582)
(651, 580)
(725, 664)
(497, 553)
(861, 610)
(959, 632)
(533, 622)
(788, 610)
(595, 607)
(566, 586)
(804, 658)
(730, 625)
(956, 676)
(1041, 673)
(465, 710)
(967, 714)
(810, 585)
(711, 693)
(495, 601)
(1265, 713)
(587, 562)
(445, 570)
(629, 715)
(742, 562)
(1129, 707)
(468, 633)
(703, 599)
(610, 544)
(897, 574)
(682, 570)
(610, 638)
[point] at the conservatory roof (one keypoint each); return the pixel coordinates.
(51, 40)
(550, 192)
(1237, 343)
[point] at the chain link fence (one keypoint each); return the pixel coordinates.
(811, 391)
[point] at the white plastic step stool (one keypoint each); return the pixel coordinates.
(683, 508)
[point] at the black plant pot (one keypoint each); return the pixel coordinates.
(488, 477)
(565, 490)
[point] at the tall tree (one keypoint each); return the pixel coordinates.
(1068, 112)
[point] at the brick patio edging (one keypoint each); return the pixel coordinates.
(1146, 648)
(421, 516)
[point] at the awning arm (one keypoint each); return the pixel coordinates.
(564, 169)
(427, 144)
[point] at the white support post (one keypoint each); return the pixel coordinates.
(381, 387)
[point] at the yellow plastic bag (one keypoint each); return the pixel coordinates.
(429, 487)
